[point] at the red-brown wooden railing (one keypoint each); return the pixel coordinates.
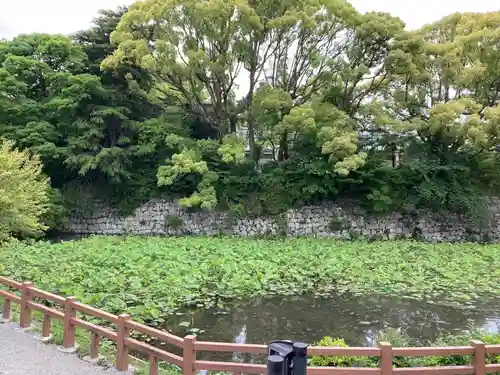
(190, 346)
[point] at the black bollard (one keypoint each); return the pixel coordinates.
(275, 365)
(299, 358)
(287, 358)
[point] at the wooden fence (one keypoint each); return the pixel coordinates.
(190, 345)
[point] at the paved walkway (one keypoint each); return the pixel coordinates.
(22, 354)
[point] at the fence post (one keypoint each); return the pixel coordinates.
(24, 309)
(385, 358)
(153, 365)
(122, 350)
(6, 311)
(94, 345)
(479, 357)
(189, 355)
(46, 328)
(69, 328)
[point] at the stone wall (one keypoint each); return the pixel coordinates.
(164, 217)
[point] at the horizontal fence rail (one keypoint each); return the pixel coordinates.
(67, 313)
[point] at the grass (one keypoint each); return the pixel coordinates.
(152, 277)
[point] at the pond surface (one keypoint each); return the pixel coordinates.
(356, 319)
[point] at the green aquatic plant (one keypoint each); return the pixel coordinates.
(151, 277)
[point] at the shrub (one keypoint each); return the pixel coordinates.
(338, 224)
(24, 193)
(57, 214)
(400, 339)
(338, 361)
(173, 222)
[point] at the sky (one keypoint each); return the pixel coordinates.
(68, 16)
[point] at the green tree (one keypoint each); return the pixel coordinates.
(138, 119)
(449, 83)
(188, 97)
(32, 68)
(442, 110)
(24, 193)
(287, 54)
(100, 129)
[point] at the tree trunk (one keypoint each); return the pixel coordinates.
(283, 151)
(254, 155)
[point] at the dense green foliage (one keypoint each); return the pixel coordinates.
(191, 98)
(398, 339)
(24, 193)
(206, 271)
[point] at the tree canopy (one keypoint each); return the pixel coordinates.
(259, 106)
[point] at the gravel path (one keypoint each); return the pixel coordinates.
(22, 354)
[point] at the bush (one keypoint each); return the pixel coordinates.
(338, 224)
(57, 214)
(173, 222)
(24, 193)
(399, 339)
(338, 361)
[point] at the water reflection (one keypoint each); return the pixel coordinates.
(240, 339)
(492, 325)
(356, 319)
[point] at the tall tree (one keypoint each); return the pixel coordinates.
(55, 99)
(286, 54)
(32, 68)
(442, 109)
(449, 82)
